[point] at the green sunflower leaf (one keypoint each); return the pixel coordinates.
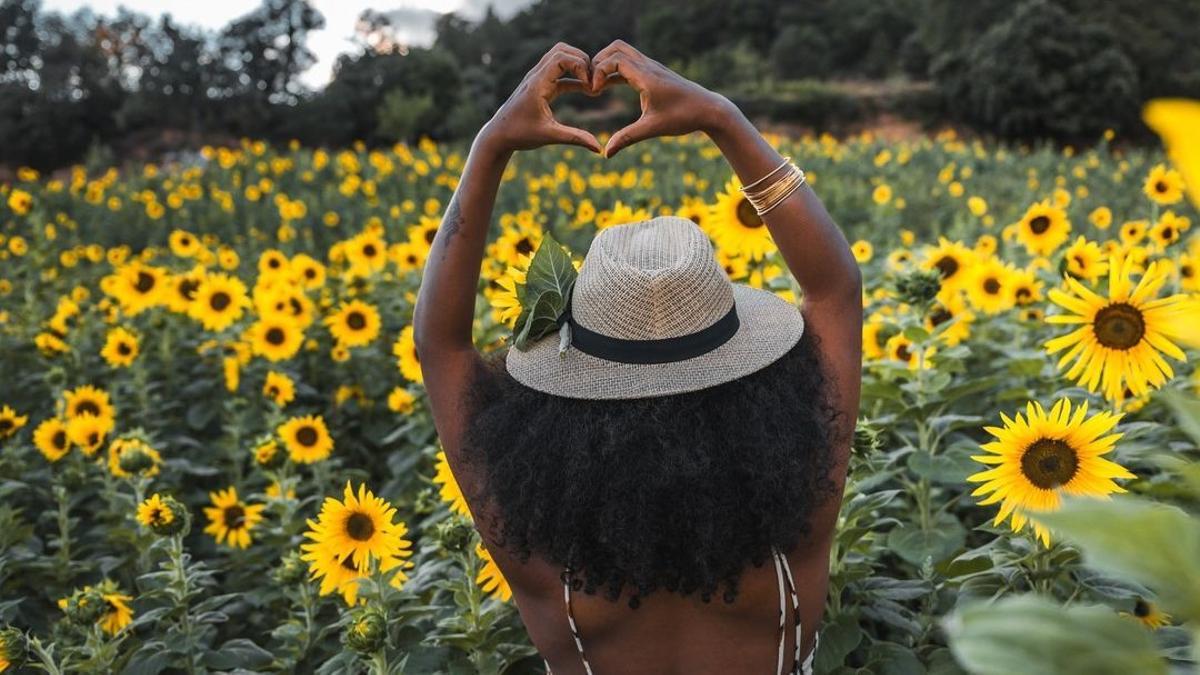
(547, 290)
(1031, 635)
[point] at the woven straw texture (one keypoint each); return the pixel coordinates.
(654, 279)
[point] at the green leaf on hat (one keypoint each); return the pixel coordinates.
(547, 290)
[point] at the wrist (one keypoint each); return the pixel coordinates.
(491, 144)
(721, 118)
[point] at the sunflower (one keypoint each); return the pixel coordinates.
(1085, 260)
(279, 388)
(181, 288)
(490, 578)
(862, 250)
(1026, 287)
(132, 454)
(900, 348)
(693, 209)
(11, 422)
(355, 324)
(421, 235)
(503, 294)
(990, 286)
(137, 287)
(405, 350)
(366, 253)
(285, 300)
(872, 330)
(1043, 228)
(88, 400)
(1040, 454)
(230, 520)
(351, 533)
(1189, 272)
(515, 243)
(275, 338)
(120, 347)
(621, 213)
(183, 243)
(87, 431)
(1176, 121)
(1133, 232)
(1168, 229)
(401, 400)
(407, 255)
(1101, 217)
(450, 491)
(735, 225)
(154, 512)
(1148, 614)
(953, 260)
(1163, 186)
(1120, 339)
(310, 272)
(273, 265)
(117, 612)
(951, 311)
(219, 300)
(307, 439)
(51, 439)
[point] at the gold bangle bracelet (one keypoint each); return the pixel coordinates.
(746, 188)
(782, 197)
(770, 195)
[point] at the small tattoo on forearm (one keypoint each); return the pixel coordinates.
(451, 222)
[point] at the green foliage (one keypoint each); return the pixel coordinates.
(1035, 636)
(403, 117)
(1041, 73)
(545, 294)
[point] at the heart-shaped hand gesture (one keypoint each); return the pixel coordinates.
(671, 104)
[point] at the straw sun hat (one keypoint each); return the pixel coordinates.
(652, 313)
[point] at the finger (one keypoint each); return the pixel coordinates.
(616, 47)
(554, 52)
(562, 133)
(639, 130)
(615, 68)
(570, 84)
(569, 65)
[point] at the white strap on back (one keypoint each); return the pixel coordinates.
(779, 576)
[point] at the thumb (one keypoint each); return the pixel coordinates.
(574, 136)
(639, 130)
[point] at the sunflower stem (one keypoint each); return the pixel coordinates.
(64, 531)
(181, 580)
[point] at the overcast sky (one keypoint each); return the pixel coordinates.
(340, 16)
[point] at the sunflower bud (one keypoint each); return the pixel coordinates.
(84, 607)
(367, 633)
(866, 438)
(267, 454)
(12, 646)
(135, 461)
(426, 502)
(292, 569)
(164, 516)
(918, 287)
(455, 533)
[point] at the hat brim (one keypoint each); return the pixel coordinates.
(769, 326)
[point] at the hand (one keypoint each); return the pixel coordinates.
(525, 120)
(672, 105)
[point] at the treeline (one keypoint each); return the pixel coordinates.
(1028, 69)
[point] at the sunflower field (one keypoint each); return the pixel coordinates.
(216, 455)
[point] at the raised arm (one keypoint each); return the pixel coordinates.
(812, 245)
(445, 309)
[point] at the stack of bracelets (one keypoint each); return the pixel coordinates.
(784, 184)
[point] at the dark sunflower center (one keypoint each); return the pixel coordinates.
(412, 259)
(5, 425)
(124, 349)
(275, 336)
(1119, 326)
(903, 353)
(310, 273)
(1080, 262)
(93, 439)
(87, 407)
(947, 265)
(356, 321)
(524, 246)
(306, 436)
(430, 234)
(220, 300)
(747, 216)
(370, 251)
(991, 286)
(235, 517)
(1049, 463)
(1141, 609)
(1039, 224)
(939, 316)
(296, 307)
(360, 527)
(1023, 295)
(1160, 186)
(145, 282)
(1187, 271)
(187, 288)
(274, 263)
(1168, 234)
(60, 439)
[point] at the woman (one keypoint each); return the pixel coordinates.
(690, 430)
